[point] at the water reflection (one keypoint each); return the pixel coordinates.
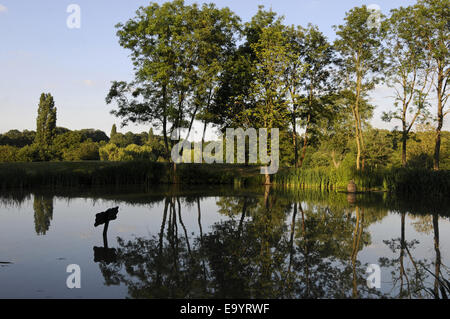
(43, 213)
(267, 243)
(411, 281)
(257, 253)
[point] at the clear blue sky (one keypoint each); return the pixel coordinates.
(40, 54)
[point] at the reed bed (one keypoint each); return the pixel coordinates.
(330, 179)
(87, 174)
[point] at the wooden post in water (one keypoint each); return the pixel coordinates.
(105, 254)
(351, 187)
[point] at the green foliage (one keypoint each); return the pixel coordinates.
(77, 145)
(96, 136)
(30, 153)
(123, 140)
(362, 59)
(113, 131)
(85, 151)
(8, 153)
(329, 178)
(188, 66)
(418, 181)
(409, 72)
(433, 25)
(43, 213)
(132, 152)
(378, 151)
(401, 181)
(76, 174)
(46, 121)
(178, 52)
(421, 149)
(17, 138)
(268, 91)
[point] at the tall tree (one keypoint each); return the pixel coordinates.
(233, 95)
(113, 131)
(362, 58)
(268, 90)
(46, 121)
(409, 71)
(319, 59)
(176, 52)
(295, 71)
(215, 34)
(434, 21)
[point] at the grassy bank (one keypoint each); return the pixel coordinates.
(75, 174)
(87, 174)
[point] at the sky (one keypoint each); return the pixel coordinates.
(39, 53)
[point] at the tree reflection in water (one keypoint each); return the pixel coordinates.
(270, 247)
(274, 245)
(269, 244)
(43, 213)
(411, 281)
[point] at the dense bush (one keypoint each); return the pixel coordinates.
(8, 153)
(31, 153)
(85, 151)
(133, 152)
(17, 138)
(418, 181)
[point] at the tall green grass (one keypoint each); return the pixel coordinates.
(82, 174)
(330, 179)
(418, 181)
(79, 174)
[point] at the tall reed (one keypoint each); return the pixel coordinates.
(81, 174)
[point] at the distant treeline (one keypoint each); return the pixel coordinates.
(384, 149)
(79, 145)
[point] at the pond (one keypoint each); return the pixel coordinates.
(205, 242)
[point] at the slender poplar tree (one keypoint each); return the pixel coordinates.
(46, 121)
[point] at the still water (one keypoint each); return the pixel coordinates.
(221, 243)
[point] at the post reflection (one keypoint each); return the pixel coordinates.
(271, 244)
(269, 247)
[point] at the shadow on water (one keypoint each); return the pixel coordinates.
(272, 244)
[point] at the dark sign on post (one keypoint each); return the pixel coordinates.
(106, 216)
(105, 254)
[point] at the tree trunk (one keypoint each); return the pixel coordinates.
(267, 195)
(404, 137)
(402, 253)
(205, 125)
(440, 115)
(358, 147)
(358, 127)
(294, 140)
(305, 142)
(333, 158)
(174, 171)
(166, 142)
(294, 133)
(438, 254)
(267, 179)
(437, 148)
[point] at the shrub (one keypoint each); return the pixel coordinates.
(8, 153)
(30, 153)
